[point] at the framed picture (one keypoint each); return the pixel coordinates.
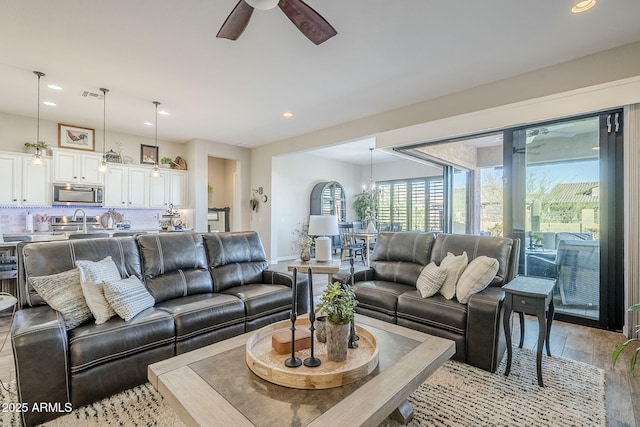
(148, 154)
(76, 137)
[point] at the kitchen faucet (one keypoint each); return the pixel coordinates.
(84, 219)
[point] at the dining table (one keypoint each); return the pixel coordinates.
(368, 237)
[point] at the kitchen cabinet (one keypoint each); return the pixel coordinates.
(36, 183)
(78, 168)
(23, 184)
(127, 187)
(169, 188)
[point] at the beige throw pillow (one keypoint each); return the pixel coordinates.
(454, 266)
(430, 280)
(93, 276)
(477, 276)
(63, 293)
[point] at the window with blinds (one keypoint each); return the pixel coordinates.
(415, 204)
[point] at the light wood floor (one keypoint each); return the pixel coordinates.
(592, 346)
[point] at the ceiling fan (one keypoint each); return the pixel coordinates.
(308, 21)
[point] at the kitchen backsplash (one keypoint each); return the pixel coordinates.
(13, 220)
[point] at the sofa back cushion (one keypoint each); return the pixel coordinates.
(47, 258)
(500, 248)
(400, 257)
(174, 265)
(235, 258)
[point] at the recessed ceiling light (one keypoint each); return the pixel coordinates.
(163, 113)
(583, 6)
(49, 103)
(54, 87)
(287, 114)
(148, 124)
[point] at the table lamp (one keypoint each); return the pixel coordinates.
(323, 226)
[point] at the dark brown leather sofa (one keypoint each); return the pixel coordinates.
(207, 287)
(387, 291)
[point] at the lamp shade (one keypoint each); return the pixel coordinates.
(323, 225)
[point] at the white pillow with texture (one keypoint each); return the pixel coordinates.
(93, 276)
(454, 266)
(477, 276)
(430, 280)
(63, 293)
(128, 297)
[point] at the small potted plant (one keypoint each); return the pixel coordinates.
(620, 347)
(338, 304)
(165, 162)
(253, 204)
(30, 147)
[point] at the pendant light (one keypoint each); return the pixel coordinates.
(37, 159)
(372, 183)
(104, 166)
(155, 172)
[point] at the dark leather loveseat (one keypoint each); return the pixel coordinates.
(207, 287)
(387, 291)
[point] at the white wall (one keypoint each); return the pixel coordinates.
(16, 130)
(293, 179)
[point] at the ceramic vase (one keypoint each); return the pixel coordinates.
(337, 340)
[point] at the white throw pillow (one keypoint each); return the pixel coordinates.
(63, 293)
(93, 276)
(128, 297)
(477, 276)
(430, 280)
(454, 266)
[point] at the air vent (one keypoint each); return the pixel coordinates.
(91, 94)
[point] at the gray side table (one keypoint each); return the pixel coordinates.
(529, 295)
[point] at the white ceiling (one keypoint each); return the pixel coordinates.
(387, 54)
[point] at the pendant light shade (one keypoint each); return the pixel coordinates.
(155, 172)
(104, 166)
(37, 159)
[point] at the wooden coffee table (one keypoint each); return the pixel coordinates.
(214, 386)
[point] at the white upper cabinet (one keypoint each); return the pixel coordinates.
(169, 188)
(23, 184)
(78, 168)
(127, 187)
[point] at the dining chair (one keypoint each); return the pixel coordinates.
(348, 243)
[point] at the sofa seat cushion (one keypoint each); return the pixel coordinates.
(201, 313)
(91, 345)
(380, 295)
(262, 299)
(436, 311)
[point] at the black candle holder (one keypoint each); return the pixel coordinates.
(311, 361)
(353, 337)
(293, 361)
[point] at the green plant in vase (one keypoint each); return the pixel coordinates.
(621, 347)
(166, 161)
(338, 303)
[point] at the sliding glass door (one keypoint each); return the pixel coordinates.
(561, 208)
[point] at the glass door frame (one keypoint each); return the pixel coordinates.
(611, 213)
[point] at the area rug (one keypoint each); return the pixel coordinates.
(455, 395)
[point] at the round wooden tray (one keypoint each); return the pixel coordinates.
(268, 364)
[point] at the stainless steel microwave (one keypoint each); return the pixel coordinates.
(77, 195)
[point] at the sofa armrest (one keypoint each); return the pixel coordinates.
(485, 336)
(40, 345)
(278, 278)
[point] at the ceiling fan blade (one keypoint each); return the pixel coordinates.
(236, 22)
(308, 21)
